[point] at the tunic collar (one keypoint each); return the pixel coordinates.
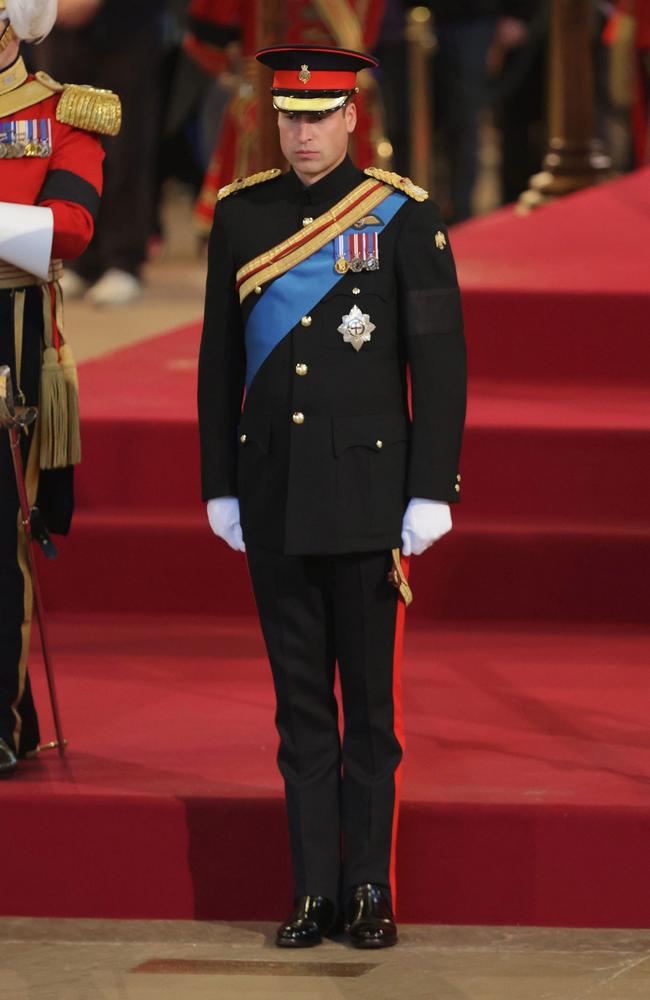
(334, 185)
(12, 77)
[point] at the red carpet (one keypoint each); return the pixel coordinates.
(525, 787)
(527, 794)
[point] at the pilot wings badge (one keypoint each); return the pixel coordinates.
(356, 328)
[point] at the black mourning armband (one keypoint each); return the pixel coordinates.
(434, 310)
(64, 185)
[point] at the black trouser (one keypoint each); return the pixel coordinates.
(18, 720)
(341, 796)
(131, 68)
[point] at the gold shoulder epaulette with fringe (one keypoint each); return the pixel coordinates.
(85, 107)
(246, 182)
(404, 184)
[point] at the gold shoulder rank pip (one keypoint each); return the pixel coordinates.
(85, 107)
(404, 184)
(246, 182)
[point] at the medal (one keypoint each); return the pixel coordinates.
(356, 252)
(356, 328)
(25, 138)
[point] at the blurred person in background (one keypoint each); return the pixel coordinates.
(50, 187)
(518, 68)
(115, 44)
(223, 36)
(628, 36)
(466, 31)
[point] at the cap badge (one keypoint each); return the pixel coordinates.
(356, 328)
(304, 75)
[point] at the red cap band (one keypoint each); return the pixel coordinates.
(319, 79)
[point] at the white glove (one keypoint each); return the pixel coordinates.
(223, 515)
(425, 521)
(26, 234)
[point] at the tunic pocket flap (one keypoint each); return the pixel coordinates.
(374, 432)
(255, 430)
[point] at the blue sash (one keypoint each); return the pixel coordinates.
(295, 294)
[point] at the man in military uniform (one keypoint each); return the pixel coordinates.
(50, 186)
(332, 305)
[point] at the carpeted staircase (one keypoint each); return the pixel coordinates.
(547, 566)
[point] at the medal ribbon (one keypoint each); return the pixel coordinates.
(295, 294)
(281, 258)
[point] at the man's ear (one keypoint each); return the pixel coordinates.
(350, 116)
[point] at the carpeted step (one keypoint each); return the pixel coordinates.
(525, 779)
(547, 568)
(529, 450)
(515, 334)
(564, 292)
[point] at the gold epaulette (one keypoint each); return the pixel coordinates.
(246, 182)
(85, 107)
(404, 184)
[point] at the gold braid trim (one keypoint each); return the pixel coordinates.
(8, 35)
(307, 241)
(246, 182)
(404, 184)
(90, 109)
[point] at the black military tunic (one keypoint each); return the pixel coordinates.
(324, 457)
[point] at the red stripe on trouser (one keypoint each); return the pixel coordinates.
(398, 727)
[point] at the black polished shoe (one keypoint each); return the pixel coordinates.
(369, 921)
(312, 919)
(8, 762)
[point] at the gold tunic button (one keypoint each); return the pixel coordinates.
(307, 220)
(243, 439)
(458, 478)
(356, 291)
(457, 488)
(301, 369)
(379, 444)
(305, 321)
(258, 289)
(298, 418)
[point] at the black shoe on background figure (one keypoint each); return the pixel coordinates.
(8, 760)
(369, 921)
(312, 919)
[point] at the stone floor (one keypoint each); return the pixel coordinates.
(173, 283)
(157, 960)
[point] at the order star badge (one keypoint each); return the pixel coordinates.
(356, 328)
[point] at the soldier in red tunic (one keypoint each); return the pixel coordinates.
(50, 186)
(628, 33)
(223, 36)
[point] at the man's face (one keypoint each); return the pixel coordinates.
(314, 146)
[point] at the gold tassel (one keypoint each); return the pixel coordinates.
(72, 383)
(72, 389)
(53, 404)
(53, 413)
(398, 580)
